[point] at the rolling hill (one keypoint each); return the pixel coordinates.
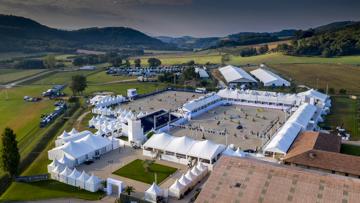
(23, 34)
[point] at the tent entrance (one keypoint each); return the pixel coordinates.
(114, 187)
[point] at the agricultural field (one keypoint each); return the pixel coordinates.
(10, 75)
(61, 77)
(320, 75)
(271, 58)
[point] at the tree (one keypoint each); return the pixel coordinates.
(127, 63)
(342, 91)
(129, 190)
(189, 73)
(116, 61)
(137, 62)
(10, 157)
(147, 164)
(49, 61)
(263, 49)
(225, 58)
(154, 62)
(78, 84)
(190, 63)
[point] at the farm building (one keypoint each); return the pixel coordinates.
(182, 149)
(236, 75)
(321, 151)
(269, 78)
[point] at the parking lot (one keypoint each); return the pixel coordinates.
(168, 100)
(245, 127)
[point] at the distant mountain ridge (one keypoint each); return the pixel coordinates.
(23, 34)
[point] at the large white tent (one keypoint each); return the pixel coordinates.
(180, 149)
(269, 78)
(153, 193)
(80, 181)
(201, 102)
(233, 74)
(82, 149)
(63, 176)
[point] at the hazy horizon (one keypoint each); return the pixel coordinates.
(198, 18)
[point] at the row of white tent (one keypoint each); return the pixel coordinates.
(201, 102)
(188, 180)
(302, 119)
(105, 124)
(205, 150)
(229, 151)
(73, 177)
(106, 100)
(120, 113)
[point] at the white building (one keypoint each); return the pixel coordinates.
(269, 78)
(233, 74)
(202, 104)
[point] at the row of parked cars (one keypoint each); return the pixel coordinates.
(147, 71)
(60, 108)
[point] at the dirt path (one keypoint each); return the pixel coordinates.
(79, 120)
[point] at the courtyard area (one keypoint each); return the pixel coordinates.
(245, 127)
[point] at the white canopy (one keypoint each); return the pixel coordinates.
(303, 115)
(269, 78)
(80, 181)
(184, 181)
(180, 145)
(153, 192)
(73, 131)
(64, 174)
(93, 184)
(201, 102)
(176, 189)
(73, 176)
(63, 135)
(205, 149)
(159, 141)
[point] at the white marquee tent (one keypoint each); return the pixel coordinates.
(233, 74)
(80, 181)
(177, 189)
(93, 184)
(269, 78)
(73, 176)
(153, 193)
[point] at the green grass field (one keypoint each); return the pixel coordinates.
(61, 77)
(350, 149)
(135, 170)
(10, 75)
(272, 58)
(345, 111)
(49, 189)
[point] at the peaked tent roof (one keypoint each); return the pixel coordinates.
(235, 74)
(267, 76)
(159, 141)
(205, 149)
(155, 190)
(180, 144)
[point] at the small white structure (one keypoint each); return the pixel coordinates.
(153, 193)
(73, 177)
(233, 74)
(135, 130)
(56, 171)
(80, 181)
(131, 93)
(110, 182)
(185, 182)
(87, 67)
(177, 189)
(269, 78)
(202, 72)
(93, 184)
(63, 176)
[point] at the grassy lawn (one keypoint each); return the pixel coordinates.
(49, 189)
(9, 75)
(102, 77)
(350, 149)
(345, 111)
(272, 58)
(135, 170)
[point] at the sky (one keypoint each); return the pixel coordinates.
(199, 18)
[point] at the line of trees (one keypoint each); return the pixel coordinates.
(10, 156)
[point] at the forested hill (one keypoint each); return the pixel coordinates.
(23, 34)
(331, 42)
